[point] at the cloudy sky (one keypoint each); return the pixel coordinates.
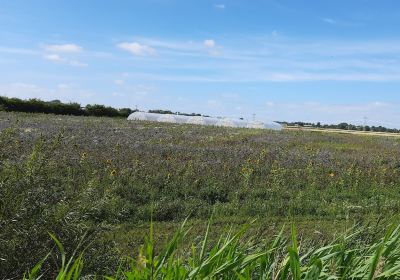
(308, 60)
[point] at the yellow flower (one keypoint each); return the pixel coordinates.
(113, 172)
(142, 261)
(108, 161)
(332, 174)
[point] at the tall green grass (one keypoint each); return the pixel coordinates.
(234, 256)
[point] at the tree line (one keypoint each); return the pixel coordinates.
(343, 126)
(59, 108)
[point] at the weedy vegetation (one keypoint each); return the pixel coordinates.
(231, 258)
(107, 179)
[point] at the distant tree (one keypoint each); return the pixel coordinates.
(57, 107)
(125, 112)
(343, 126)
(161, 112)
(101, 110)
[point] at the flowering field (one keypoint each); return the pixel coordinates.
(108, 178)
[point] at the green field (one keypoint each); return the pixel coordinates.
(109, 178)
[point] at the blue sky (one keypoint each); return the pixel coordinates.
(327, 61)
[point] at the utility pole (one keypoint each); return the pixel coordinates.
(365, 121)
(365, 124)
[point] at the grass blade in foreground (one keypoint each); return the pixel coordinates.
(233, 257)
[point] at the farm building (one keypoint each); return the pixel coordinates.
(198, 120)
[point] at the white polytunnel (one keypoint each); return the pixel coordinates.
(197, 120)
(167, 118)
(227, 123)
(200, 120)
(273, 126)
(142, 116)
(256, 124)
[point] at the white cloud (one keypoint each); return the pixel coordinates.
(209, 43)
(65, 48)
(53, 54)
(59, 59)
(136, 48)
(54, 57)
(220, 6)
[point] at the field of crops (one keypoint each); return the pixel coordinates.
(108, 178)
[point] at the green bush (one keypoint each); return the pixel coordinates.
(59, 108)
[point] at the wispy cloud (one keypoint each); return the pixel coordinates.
(220, 6)
(209, 43)
(53, 57)
(136, 48)
(212, 47)
(14, 50)
(64, 54)
(63, 48)
(119, 82)
(59, 59)
(279, 59)
(340, 22)
(62, 92)
(329, 20)
(77, 63)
